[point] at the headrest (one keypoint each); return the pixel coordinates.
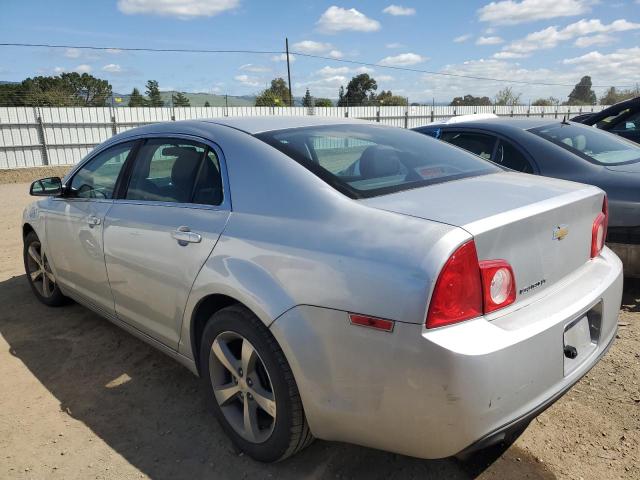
(176, 151)
(379, 161)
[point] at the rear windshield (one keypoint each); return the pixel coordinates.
(370, 160)
(590, 143)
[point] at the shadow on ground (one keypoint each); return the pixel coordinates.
(631, 296)
(152, 411)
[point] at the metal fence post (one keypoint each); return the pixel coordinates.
(378, 115)
(406, 117)
(41, 136)
(114, 126)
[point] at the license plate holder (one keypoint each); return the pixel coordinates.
(580, 339)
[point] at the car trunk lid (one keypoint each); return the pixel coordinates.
(541, 226)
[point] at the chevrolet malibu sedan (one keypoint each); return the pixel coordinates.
(430, 304)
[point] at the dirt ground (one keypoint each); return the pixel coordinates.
(82, 399)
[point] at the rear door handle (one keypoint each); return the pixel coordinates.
(184, 235)
(93, 221)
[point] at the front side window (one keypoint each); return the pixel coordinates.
(590, 143)
(477, 143)
(97, 179)
(177, 171)
(629, 124)
(369, 160)
(509, 156)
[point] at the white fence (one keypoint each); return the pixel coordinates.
(37, 136)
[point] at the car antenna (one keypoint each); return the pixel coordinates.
(564, 120)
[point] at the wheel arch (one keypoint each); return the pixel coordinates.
(26, 229)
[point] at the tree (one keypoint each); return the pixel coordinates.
(545, 102)
(506, 96)
(582, 94)
(137, 100)
(341, 100)
(65, 90)
(470, 100)
(360, 91)
(207, 104)
(307, 101)
(153, 93)
(389, 99)
(180, 100)
(323, 102)
(11, 95)
(614, 96)
(277, 95)
(89, 90)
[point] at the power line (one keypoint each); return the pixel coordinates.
(308, 55)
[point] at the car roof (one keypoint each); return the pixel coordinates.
(499, 124)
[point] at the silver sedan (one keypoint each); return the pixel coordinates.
(335, 279)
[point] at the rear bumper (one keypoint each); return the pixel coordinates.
(630, 256)
(433, 393)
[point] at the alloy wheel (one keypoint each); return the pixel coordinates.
(242, 387)
(39, 271)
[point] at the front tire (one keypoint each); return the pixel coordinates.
(39, 274)
(254, 395)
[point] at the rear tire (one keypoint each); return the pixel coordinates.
(245, 370)
(39, 274)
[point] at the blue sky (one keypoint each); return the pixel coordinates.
(554, 41)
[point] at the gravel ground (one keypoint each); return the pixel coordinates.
(82, 399)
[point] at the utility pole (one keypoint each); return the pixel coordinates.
(286, 43)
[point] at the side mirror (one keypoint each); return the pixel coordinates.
(46, 187)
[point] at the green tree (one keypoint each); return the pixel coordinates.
(153, 93)
(207, 104)
(136, 99)
(470, 100)
(180, 100)
(277, 95)
(506, 96)
(360, 91)
(341, 99)
(307, 101)
(545, 102)
(612, 95)
(323, 102)
(582, 94)
(65, 90)
(89, 90)
(11, 95)
(389, 99)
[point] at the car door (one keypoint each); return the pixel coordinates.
(162, 230)
(74, 227)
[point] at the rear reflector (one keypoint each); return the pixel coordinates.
(599, 230)
(371, 322)
(457, 295)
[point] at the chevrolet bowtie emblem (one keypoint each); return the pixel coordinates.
(560, 232)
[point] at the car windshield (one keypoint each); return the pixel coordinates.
(370, 160)
(592, 144)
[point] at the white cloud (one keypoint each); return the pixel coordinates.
(316, 48)
(511, 12)
(550, 37)
(250, 67)
(402, 60)
(394, 45)
(397, 10)
(82, 68)
(623, 63)
(462, 38)
(508, 55)
(385, 78)
(72, 53)
(600, 39)
(247, 80)
(368, 70)
(283, 58)
(489, 41)
(183, 9)
(112, 68)
(337, 19)
(332, 71)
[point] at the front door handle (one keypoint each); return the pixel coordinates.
(93, 221)
(184, 235)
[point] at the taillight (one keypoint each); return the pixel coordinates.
(467, 288)
(498, 284)
(599, 229)
(457, 295)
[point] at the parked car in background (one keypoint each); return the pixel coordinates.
(429, 304)
(621, 119)
(565, 150)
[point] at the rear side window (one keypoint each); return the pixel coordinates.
(369, 160)
(477, 143)
(590, 143)
(176, 171)
(629, 124)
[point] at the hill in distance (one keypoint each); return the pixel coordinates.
(197, 99)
